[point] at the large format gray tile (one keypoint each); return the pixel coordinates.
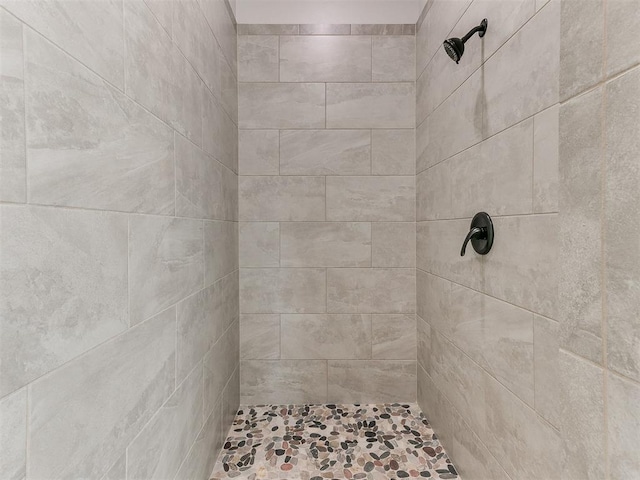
(259, 244)
(434, 301)
(522, 267)
(393, 59)
(88, 145)
(77, 428)
(464, 109)
(460, 380)
(280, 105)
(325, 58)
(258, 58)
(157, 75)
(159, 449)
(221, 19)
(166, 263)
(12, 138)
(364, 199)
(623, 404)
(580, 205)
(283, 381)
(258, 152)
(118, 470)
(202, 319)
(393, 244)
(393, 152)
(533, 52)
(496, 335)
(64, 287)
(582, 24)
(495, 176)
(371, 290)
(220, 250)
(219, 364)
(546, 153)
(13, 435)
(582, 418)
(325, 152)
(325, 337)
(382, 29)
(220, 131)
(435, 186)
(282, 199)
(92, 32)
(393, 337)
(325, 244)
(259, 336)
(204, 187)
(623, 50)
(370, 105)
(356, 381)
(546, 348)
(520, 440)
(621, 217)
(199, 463)
(282, 290)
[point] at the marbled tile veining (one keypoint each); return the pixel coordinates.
(316, 442)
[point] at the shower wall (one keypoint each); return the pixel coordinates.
(487, 140)
(327, 213)
(599, 228)
(119, 277)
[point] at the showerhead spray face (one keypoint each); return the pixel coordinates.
(455, 46)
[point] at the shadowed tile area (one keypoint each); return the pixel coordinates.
(316, 442)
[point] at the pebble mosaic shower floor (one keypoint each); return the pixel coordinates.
(320, 442)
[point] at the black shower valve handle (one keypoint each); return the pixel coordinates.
(476, 232)
(481, 234)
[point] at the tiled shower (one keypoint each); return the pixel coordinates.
(230, 246)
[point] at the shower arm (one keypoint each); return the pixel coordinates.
(479, 28)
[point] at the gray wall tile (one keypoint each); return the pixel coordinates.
(325, 152)
(259, 336)
(393, 337)
(267, 29)
(12, 142)
(325, 29)
(282, 290)
(353, 381)
(92, 32)
(393, 59)
(158, 451)
(282, 198)
(622, 255)
(275, 105)
(546, 153)
(326, 336)
(220, 250)
(64, 284)
(362, 199)
(259, 244)
(546, 344)
(220, 131)
(371, 290)
(166, 263)
(393, 152)
(258, 152)
(325, 58)
(136, 368)
(377, 105)
(88, 145)
(258, 58)
(393, 244)
(13, 436)
(624, 427)
(325, 244)
(296, 381)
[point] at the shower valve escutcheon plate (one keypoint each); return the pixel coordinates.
(480, 234)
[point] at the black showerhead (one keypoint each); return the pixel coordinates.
(455, 46)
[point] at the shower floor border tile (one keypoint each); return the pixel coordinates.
(332, 441)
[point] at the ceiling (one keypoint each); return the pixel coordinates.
(328, 11)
